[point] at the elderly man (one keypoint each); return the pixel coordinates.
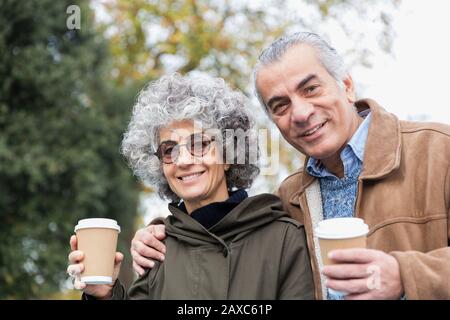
(361, 161)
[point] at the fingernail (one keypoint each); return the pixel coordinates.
(330, 255)
(162, 258)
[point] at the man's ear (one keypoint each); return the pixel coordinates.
(226, 167)
(349, 88)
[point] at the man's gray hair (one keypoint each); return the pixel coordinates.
(175, 98)
(327, 55)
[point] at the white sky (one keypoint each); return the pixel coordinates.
(413, 81)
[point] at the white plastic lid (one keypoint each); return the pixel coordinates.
(341, 228)
(97, 223)
(96, 280)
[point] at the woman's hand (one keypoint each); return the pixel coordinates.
(76, 267)
(146, 245)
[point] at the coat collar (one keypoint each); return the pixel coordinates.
(250, 214)
(382, 152)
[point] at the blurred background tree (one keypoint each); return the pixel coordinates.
(66, 97)
(61, 124)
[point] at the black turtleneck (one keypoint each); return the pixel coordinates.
(212, 213)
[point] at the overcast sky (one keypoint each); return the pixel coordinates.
(414, 81)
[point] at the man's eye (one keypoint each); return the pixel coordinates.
(311, 89)
(279, 108)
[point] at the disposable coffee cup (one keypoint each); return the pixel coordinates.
(97, 238)
(340, 233)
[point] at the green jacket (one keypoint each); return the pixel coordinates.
(254, 252)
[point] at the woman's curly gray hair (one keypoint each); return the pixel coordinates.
(175, 98)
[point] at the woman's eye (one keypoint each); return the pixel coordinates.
(168, 151)
(200, 145)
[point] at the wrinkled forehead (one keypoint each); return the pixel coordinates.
(296, 59)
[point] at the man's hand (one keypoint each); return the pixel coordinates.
(365, 274)
(146, 246)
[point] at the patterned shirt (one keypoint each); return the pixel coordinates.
(339, 194)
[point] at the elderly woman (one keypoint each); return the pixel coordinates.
(221, 244)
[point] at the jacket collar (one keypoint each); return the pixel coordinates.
(382, 153)
(250, 214)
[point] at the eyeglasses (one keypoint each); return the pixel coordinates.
(198, 145)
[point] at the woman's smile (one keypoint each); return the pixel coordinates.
(190, 178)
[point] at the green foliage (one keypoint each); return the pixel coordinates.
(60, 130)
(220, 37)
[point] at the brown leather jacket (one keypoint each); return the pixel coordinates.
(403, 195)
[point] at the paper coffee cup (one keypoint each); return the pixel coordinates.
(97, 238)
(340, 233)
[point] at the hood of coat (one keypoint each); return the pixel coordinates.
(250, 214)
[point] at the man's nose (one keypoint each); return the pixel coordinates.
(301, 111)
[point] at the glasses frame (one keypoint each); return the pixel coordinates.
(177, 146)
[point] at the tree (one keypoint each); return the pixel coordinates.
(224, 37)
(61, 125)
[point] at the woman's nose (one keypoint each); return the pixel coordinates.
(184, 156)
